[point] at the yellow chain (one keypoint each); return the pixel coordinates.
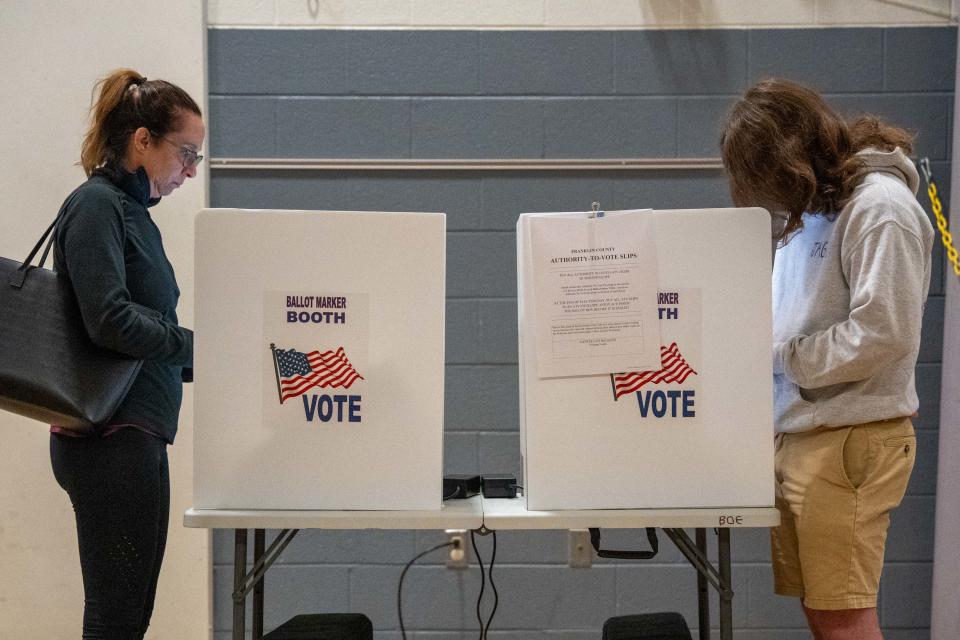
(945, 235)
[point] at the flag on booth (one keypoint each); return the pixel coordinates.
(298, 372)
(673, 368)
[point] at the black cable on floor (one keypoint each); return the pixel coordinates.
(496, 596)
(403, 631)
(483, 582)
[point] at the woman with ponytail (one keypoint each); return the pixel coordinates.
(850, 280)
(143, 143)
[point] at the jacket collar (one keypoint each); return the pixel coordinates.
(136, 184)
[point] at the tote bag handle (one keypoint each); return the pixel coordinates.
(17, 277)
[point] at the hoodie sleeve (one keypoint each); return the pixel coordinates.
(92, 243)
(886, 275)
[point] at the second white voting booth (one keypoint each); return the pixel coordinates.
(319, 360)
(689, 425)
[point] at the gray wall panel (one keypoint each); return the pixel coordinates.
(938, 268)
(499, 453)
(910, 538)
(412, 62)
(343, 128)
(481, 398)
(433, 596)
(905, 595)
(349, 546)
(928, 389)
(681, 62)
(462, 331)
(481, 331)
(498, 331)
(931, 340)
(924, 478)
(765, 609)
(460, 453)
(671, 190)
(610, 128)
(546, 63)
(462, 128)
(832, 60)
(481, 264)
(332, 62)
(699, 121)
(243, 127)
(315, 546)
(919, 59)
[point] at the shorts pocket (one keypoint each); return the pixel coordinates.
(856, 456)
(897, 460)
(907, 443)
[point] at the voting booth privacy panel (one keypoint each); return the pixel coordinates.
(319, 360)
(685, 297)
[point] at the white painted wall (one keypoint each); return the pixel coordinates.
(52, 52)
(572, 14)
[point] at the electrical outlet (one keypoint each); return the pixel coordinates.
(457, 556)
(581, 551)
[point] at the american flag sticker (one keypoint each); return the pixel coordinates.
(673, 368)
(298, 372)
(679, 312)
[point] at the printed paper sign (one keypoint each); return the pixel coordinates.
(595, 294)
(314, 359)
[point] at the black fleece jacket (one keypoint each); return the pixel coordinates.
(111, 251)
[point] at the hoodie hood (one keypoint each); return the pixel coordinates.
(894, 163)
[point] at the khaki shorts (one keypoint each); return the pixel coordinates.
(835, 489)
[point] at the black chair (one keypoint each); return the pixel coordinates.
(647, 626)
(324, 626)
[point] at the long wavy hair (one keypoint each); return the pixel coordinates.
(784, 147)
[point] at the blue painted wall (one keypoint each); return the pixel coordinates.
(509, 94)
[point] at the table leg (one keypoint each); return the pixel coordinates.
(703, 591)
(726, 603)
(239, 577)
(258, 543)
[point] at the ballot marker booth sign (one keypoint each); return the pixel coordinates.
(319, 360)
(693, 428)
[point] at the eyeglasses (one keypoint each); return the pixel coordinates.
(188, 156)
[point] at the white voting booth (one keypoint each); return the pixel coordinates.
(645, 366)
(319, 360)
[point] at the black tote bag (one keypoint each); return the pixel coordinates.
(50, 370)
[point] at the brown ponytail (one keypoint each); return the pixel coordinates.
(782, 145)
(127, 101)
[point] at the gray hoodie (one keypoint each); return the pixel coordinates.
(848, 297)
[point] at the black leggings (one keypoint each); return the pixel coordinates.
(120, 489)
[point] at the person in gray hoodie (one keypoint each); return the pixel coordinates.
(850, 279)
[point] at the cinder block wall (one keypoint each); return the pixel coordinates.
(571, 94)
